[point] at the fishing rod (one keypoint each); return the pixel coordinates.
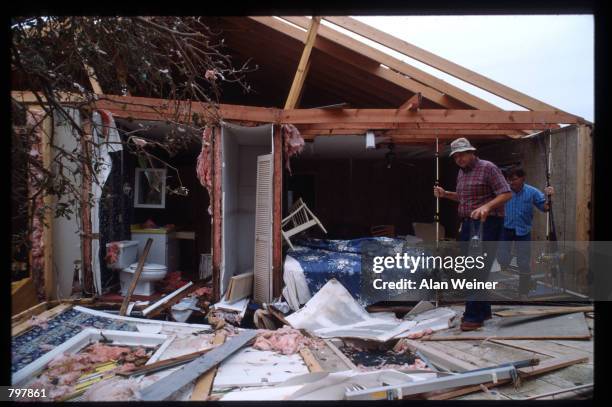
(551, 230)
(437, 183)
(437, 214)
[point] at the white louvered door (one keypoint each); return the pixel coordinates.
(262, 265)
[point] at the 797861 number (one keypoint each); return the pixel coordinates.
(29, 393)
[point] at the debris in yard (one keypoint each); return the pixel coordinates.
(166, 301)
(285, 340)
(253, 368)
(216, 319)
(171, 282)
(543, 312)
(240, 286)
(377, 358)
(165, 387)
(182, 310)
(202, 291)
(417, 365)
(230, 313)
(333, 312)
(114, 389)
(70, 374)
(327, 386)
(263, 319)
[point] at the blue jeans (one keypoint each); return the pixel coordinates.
(478, 310)
(523, 256)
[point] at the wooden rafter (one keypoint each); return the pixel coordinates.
(361, 62)
(328, 75)
(303, 66)
(93, 79)
(440, 63)
(396, 64)
(412, 104)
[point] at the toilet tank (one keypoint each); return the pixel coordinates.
(128, 253)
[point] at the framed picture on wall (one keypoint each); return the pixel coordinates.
(150, 191)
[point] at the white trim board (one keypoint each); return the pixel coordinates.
(91, 335)
(139, 320)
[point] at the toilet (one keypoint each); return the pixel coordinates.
(127, 262)
(146, 283)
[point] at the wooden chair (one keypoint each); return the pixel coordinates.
(383, 230)
(299, 219)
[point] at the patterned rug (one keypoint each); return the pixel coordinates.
(37, 341)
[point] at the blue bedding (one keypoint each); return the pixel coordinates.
(323, 259)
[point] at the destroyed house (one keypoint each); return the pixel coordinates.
(372, 125)
(337, 143)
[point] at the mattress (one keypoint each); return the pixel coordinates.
(313, 262)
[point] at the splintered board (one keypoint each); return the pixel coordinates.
(569, 326)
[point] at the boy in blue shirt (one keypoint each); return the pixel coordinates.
(517, 224)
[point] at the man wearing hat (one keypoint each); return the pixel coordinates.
(482, 191)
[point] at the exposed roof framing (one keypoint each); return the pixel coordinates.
(330, 79)
(440, 63)
(526, 118)
(141, 108)
(395, 64)
(357, 60)
(414, 103)
(300, 75)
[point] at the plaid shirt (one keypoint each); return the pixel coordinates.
(477, 185)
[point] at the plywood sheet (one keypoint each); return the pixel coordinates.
(570, 326)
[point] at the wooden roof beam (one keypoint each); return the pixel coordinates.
(411, 138)
(396, 64)
(365, 64)
(93, 79)
(440, 63)
(413, 104)
(430, 132)
(160, 109)
(302, 69)
(459, 116)
(432, 126)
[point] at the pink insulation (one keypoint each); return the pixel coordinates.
(112, 253)
(285, 340)
(293, 142)
(99, 352)
(39, 321)
(35, 177)
(420, 334)
(63, 372)
(203, 166)
(202, 291)
(107, 121)
(114, 389)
